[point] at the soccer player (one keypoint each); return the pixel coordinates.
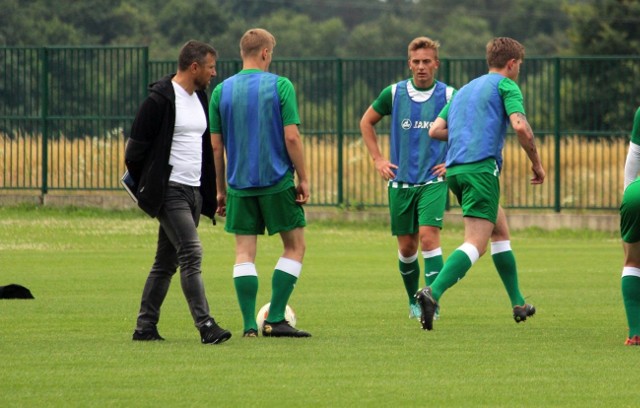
(475, 125)
(630, 232)
(254, 118)
(416, 188)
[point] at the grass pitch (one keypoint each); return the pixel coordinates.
(71, 346)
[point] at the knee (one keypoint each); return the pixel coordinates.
(429, 242)
(481, 248)
(295, 251)
(407, 251)
(408, 245)
(429, 238)
(163, 272)
(190, 253)
(196, 250)
(294, 243)
(164, 266)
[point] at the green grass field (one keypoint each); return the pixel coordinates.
(71, 346)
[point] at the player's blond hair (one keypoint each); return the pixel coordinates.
(502, 49)
(255, 40)
(423, 42)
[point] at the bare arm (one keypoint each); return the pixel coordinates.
(367, 128)
(439, 130)
(293, 143)
(525, 137)
(221, 178)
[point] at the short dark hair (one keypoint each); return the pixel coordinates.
(194, 51)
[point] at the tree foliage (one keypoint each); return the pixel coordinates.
(182, 20)
(329, 28)
(605, 27)
(387, 36)
(466, 36)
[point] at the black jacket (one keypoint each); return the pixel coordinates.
(149, 147)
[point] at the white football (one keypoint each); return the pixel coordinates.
(289, 315)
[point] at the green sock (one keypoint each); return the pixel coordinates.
(281, 288)
(631, 298)
(432, 266)
(505, 263)
(410, 273)
(247, 290)
(452, 271)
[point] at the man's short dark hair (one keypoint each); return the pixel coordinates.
(194, 51)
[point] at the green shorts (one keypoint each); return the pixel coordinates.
(478, 194)
(413, 207)
(630, 213)
(278, 212)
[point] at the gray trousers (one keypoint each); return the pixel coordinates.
(178, 245)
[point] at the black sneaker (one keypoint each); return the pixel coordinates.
(520, 313)
(211, 333)
(150, 334)
(282, 329)
(428, 306)
(250, 333)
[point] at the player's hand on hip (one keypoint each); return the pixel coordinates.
(439, 170)
(385, 168)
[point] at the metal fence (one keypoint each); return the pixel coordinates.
(65, 114)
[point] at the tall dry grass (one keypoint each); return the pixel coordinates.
(590, 169)
(79, 164)
(590, 172)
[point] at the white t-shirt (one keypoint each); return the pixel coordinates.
(186, 148)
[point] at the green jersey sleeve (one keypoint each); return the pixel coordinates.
(383, 105)
(511, 96)
(444, 113)
(214, 114)
(288, 102)
(635, 132)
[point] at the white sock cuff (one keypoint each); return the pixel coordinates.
(407, 260)
(244, 269)
(471, 251)
(289, 266)
(500, 246)
(432, 253)
(631, 271)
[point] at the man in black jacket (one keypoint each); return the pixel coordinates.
(170, 158)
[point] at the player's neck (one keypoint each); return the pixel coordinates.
(501, 71)
(255, 63)
(423, 85)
